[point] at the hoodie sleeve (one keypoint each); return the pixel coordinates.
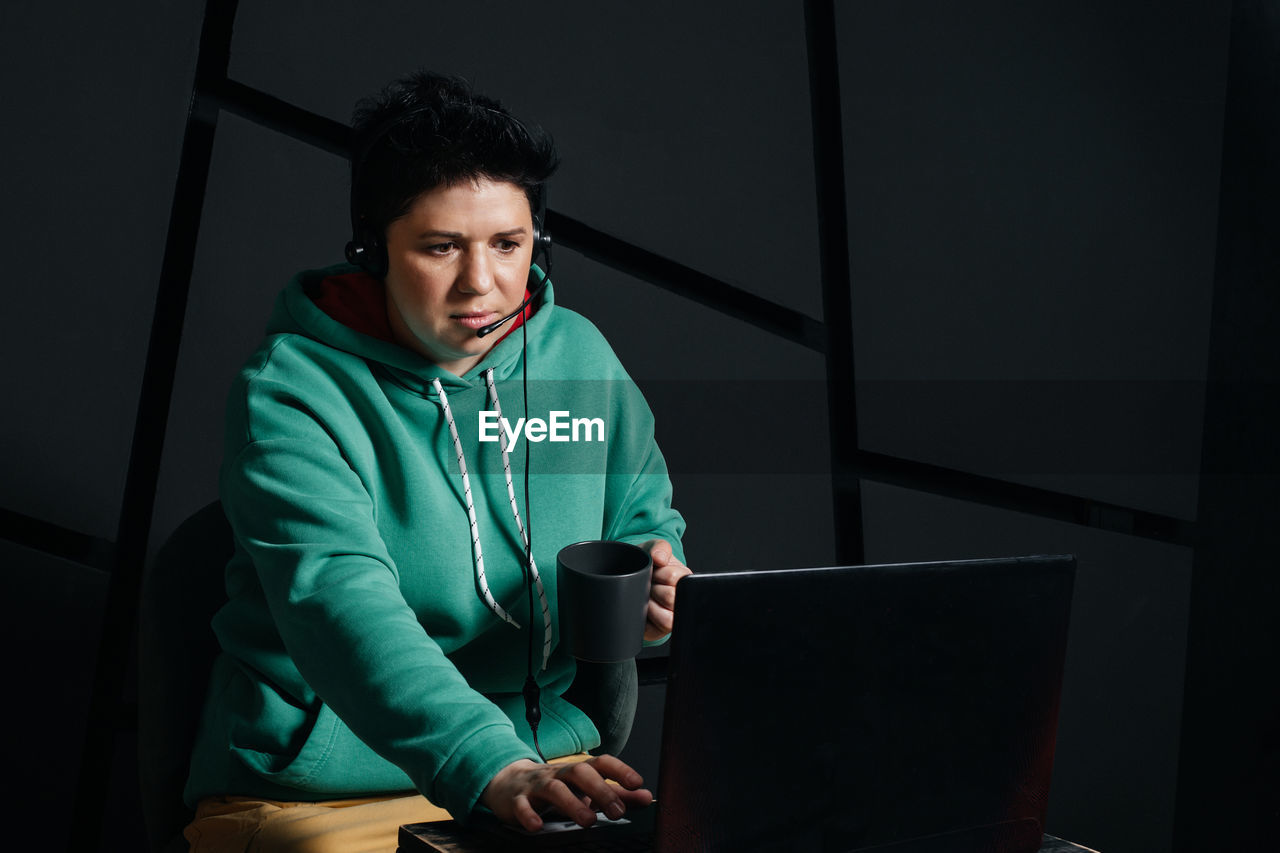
(639, 487)
(638, 506)
(307, 522)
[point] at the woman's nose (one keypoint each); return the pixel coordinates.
(476, 275)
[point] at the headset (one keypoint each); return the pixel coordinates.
(366, 249)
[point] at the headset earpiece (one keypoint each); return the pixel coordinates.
(541, 240)
(367, 252)
(357, 254)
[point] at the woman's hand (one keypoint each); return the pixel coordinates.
(667, 572)
(524, 788)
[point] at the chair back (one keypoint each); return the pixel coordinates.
(181, 590)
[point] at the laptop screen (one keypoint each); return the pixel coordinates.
(865, 707)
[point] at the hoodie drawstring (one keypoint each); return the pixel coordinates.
(515, 511)
(481, 581)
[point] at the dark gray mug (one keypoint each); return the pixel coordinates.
(603, 597)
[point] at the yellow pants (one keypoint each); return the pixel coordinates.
(361, 825)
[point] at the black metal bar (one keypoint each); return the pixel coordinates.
(115, 649)
(663, 272)
(55, 540)
(1017, 497)
(281, 116)
(1228, 796)
(837, 300)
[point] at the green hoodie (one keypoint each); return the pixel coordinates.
(358, 652)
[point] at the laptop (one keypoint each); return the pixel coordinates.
(907, 708)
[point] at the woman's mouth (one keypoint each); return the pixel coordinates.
(476, 320)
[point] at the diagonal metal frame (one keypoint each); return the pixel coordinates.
(837, 299)
(213, 92)
(138, 503)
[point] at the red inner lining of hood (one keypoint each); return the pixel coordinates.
(358, 301)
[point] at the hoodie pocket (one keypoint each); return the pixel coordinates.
(329, 760)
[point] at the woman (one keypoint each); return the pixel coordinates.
(382, 635)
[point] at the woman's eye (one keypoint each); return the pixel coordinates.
(440, 248)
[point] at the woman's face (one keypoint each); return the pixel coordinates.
(457, 260)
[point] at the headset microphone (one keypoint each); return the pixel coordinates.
(492, 327)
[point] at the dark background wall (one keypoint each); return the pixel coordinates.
(1047, 258)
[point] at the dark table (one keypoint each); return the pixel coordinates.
(452, 837)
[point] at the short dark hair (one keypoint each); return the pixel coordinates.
(427, 130)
